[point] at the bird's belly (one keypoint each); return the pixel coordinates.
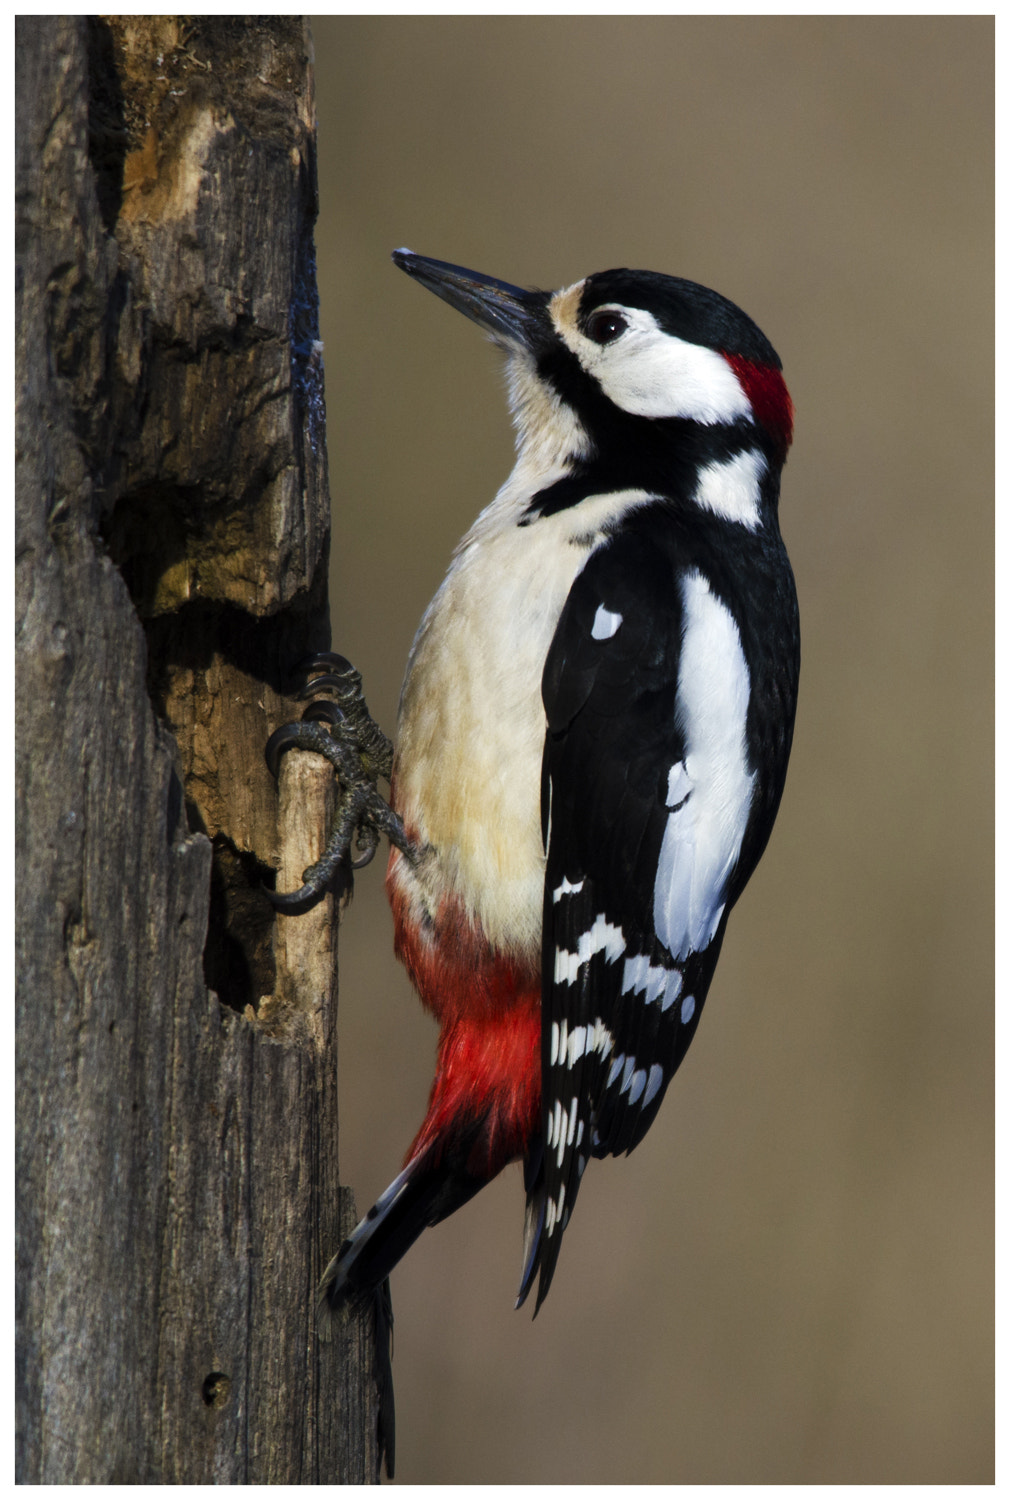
(471, 735)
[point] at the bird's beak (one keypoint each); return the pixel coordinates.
(512, 316)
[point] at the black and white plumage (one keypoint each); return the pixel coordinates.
(663, 762)
(593, 738)
(669, 690)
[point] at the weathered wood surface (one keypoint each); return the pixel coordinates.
(177, 1181)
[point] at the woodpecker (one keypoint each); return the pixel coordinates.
(592, 742)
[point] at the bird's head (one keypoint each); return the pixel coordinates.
(625, 366)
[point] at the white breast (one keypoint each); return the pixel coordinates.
(471, 727)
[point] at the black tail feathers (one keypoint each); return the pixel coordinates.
(431, 1186)
(358, 1277)
(373, 1248)
(540, 1245)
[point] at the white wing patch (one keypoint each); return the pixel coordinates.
(733, 489)
(602, 937)
(652, 1087)
(678, 786)
(635, 1082)
(655, 982)
(569, 1046)
(705, 828)
(606, 624)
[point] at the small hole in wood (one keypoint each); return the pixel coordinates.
(216, 1389)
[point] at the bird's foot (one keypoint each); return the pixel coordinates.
(339, 727)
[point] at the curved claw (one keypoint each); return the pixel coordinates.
(320, 660)
(320, 684)
(328, 662)
(368, 845)
(340, 729)
(284, 738)
(294, 903)
(325, 709)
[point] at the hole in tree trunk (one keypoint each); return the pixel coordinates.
(238, 961)
(216, 1389)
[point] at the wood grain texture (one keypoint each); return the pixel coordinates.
(177, 1179)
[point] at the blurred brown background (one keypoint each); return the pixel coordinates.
(791, 1279)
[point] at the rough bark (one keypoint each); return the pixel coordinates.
(177, 1183)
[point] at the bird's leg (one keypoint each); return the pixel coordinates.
(339, 727)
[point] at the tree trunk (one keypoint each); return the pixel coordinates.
(177, 1176)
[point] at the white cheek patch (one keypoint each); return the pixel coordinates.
(733, 489)
(606, 624)
(651, 373)
(662, 376)
(705, 830)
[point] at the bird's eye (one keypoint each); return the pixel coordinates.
(605, 326)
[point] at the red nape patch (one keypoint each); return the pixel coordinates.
(770, 400)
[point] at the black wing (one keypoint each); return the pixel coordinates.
(619, 1010)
